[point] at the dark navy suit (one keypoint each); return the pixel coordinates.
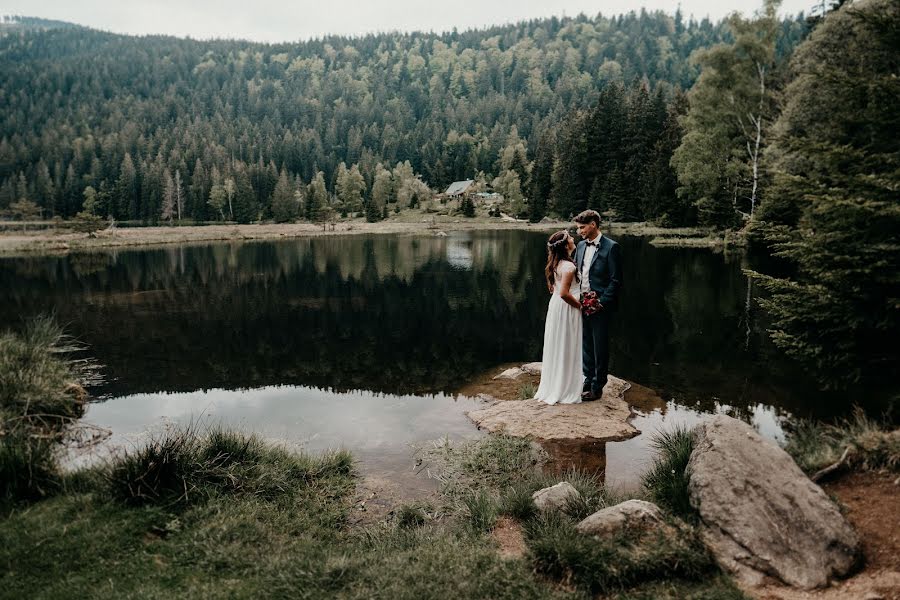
(605, 278)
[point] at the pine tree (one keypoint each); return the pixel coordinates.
(541, 179)
(836, 164)
(284, 205)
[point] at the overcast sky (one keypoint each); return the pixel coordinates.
(276, 21)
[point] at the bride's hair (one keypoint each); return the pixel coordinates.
(557, 251)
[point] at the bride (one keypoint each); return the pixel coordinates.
(561, 376)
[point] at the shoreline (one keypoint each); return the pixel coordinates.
(46, 242)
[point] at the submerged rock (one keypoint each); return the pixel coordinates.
(603, 419)
(762, 515)
(628, 515)
(555, 497)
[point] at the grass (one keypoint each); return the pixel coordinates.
(526, 391)
(666, 482)
(38, 402)
(873, 445)
(615, 564)
(183, 467)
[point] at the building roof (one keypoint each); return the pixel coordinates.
(459, 187)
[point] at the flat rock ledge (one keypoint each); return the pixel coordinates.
(555, 497)
(626, 516)
(762, 516)
(603, 419)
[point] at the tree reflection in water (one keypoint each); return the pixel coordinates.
(394, 314)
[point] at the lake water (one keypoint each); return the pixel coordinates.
(361, 341)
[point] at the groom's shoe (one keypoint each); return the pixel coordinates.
(588, 395)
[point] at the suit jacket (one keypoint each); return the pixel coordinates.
(605, 274)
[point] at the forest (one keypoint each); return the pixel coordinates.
(158, 128)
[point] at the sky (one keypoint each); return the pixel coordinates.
(283, 21)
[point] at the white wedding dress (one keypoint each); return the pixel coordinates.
(561, 377)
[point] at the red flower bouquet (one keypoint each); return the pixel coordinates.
(590, 304)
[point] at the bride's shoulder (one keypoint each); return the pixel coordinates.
(566, 266)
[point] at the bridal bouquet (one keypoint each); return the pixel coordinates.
(590, 304)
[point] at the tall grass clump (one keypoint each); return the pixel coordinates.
(612, 564)
(667, 480)
(38, 401)
(527, 391)
(184, 466)
(869, 443)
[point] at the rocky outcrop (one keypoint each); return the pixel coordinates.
(762, 517)
(603, 419)
(555, 497)
(627, 516)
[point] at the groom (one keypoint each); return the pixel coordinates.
(599, 262)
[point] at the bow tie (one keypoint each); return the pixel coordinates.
(595, 243)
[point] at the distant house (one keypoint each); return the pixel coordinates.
(458, 189)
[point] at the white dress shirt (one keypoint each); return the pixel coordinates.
(586, 261)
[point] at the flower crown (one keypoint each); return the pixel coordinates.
(552, 245)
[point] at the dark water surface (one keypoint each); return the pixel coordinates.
(360, 341)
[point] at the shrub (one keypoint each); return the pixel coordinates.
(872, 445)
(667, 480)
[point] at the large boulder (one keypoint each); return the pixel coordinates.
(626, 516)
(761, 515)
(555, 497)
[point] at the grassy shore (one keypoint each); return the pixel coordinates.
(412, 222)
(219, 514)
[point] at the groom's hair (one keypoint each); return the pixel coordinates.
(587, 216)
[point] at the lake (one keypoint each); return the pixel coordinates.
(360, 341)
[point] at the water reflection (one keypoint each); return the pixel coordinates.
(378, 428)
(265, 326)
(626, 461)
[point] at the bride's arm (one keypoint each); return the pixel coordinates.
(567, 275)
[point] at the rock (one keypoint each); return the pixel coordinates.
(510, 373)
(441, 234)
(532, 368)
(761, 514)
(547, 220)
(604, 419)
(555, 497)
(631, 514)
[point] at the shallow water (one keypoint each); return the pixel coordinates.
(361, 341)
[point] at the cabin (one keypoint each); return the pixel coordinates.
(459, 189)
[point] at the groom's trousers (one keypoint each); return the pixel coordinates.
(595, 350)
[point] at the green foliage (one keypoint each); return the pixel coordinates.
(467, 206)
(481, 510)
(871, 445)
(612, 564)
(832, 209)
(37, 403)
(526, 391)
(183, 468)
(284, 200)
(85, 222)
(450, 104)
(731, 106)
(667, 479)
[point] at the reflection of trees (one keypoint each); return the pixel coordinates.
(390, 313)
(382, 313)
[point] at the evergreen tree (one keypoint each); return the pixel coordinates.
(836, 164)
(316, 197)
(541, 180)
(284, 204)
